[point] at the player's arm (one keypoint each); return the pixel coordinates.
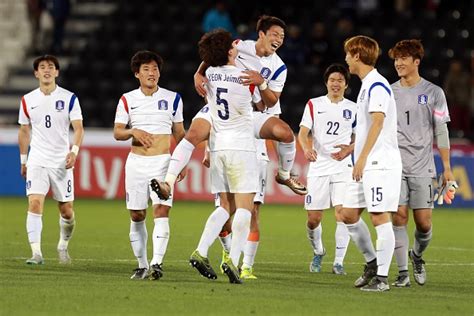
(206, 161)
(200, 79)
(442, 141)
(306, 143)
(77, 142)
(374, 132)
(252, 77)
(121, 132)
(24, 137)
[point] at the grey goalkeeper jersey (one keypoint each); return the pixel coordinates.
(419, 110)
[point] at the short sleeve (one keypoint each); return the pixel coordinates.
(379, 98)
(256, 97)
(121, 115)
(178, 109)
(440, 108)
(278, 79)
(23, 116)
(75, 113)
(307, 120)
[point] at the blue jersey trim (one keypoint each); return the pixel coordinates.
(379, 84)
(354, 124)
(71, 102)
(176, 103)
(278, 72)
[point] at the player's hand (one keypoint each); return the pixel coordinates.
(343, 153)
(206, 161)
(182, 174)
(251, 77)
(200, 84)
(23, 171)
(70, 160)
(358, 170)
(446, 190)
(310, 154)
(145, 138)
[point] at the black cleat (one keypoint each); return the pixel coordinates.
(202, 265)
(370, 271)
(156, 272)
(162, 189)
(139, 274)
(232, 272)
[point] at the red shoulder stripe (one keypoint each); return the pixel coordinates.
(311, 111)
(25, 108)
(252, 88)
(125, 103)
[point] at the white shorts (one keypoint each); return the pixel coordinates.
(379, 191)
(234, 171)
(326, 191)
(259, 119)
(204, 113)
(139, 170)
(60, 180)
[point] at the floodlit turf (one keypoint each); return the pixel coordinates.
(98, 282)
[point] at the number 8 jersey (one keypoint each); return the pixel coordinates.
(50, 117)
(231, 109)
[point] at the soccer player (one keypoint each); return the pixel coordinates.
(377, 169)
(148, 115)
(331, 120)
(422, 113)
(232, 148)
(267, 71)
(46, 114)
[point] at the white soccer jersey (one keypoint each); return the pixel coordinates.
(376, 95)
(230, 105)
(331, 124)
(272, 68)
(50, 117)
(154, 114)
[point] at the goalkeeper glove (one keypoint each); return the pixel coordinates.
(446, 191)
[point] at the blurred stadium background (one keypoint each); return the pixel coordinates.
(96, 39)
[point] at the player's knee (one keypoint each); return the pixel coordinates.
(66, 210)
(35, 206)
(399, 219)
(196, 136)
(423, 227)
(285, 134)
(137, 216)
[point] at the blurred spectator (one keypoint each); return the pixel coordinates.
(35, 8)
(218, 17)
(457, 87)
(319, 49)
(59, 10)
(294, 49)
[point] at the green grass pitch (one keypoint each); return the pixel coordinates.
(97, 282)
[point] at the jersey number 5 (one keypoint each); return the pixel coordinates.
(222, 114)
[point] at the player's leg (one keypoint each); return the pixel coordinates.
(160, 238)
(251, 246)
(400, 222)
(273, 128)
(353, 205)
(62, 186)
(337, 189)
(37, 186)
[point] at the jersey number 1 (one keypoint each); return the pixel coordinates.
(222, 114)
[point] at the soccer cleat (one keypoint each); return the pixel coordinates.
(376, 285)
(162, 189)
(338, 269)
(63, 256)
(202, 265)
(294, 184)
(232, 272)
(370, 271)
(35, 260)
(139, 274)
(315, 264)
(247, 274)
(419, 272)
(156, 272)
(225, 257)
(403, 280)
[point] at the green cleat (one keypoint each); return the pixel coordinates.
(225, 258)
(247, 274)
(232, 272)
(202, 265)
(35, 260)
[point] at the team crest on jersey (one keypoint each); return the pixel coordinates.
(205, 109)
(362, 96)
(59, 105)
(422, 99)
(163, 105)
(265, 72)
(347, 114)
(28, 184)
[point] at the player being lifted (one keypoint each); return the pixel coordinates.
(266, 70)
(422, 113)
(233, 158)
(46, 114)
(377, 169)
(148, 115)
(331, 120)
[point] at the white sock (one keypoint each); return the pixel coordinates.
(240, 232)
(422, 240)
(161, 236)
(314, 236)
(34, 227)
(212, 229)
(180, 158)
(66, 229)
(401, 247)
(360, 234)
(226, 241)
(342, 241)
(385, 248)
(250, 251)
(286, 158)
(138, 240)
